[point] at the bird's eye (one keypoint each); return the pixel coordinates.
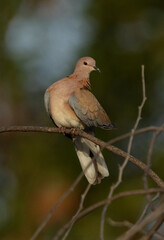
(85, 63)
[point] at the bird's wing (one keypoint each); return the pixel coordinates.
(89, 110)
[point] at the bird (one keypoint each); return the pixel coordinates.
(70, 104)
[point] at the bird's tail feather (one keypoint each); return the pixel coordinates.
(91, 159)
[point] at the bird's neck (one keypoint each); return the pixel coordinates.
(83, 78)
(86, 83)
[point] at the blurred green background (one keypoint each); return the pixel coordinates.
(40, 42)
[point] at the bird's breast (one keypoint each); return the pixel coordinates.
(62, 114)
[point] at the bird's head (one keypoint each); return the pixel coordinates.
(86, 65)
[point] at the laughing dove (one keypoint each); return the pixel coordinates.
(70, 104)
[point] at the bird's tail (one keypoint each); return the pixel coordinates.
(91, 160)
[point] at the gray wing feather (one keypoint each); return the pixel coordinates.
(82, 112)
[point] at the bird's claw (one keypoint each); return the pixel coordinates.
(62, 130)
(74, 131)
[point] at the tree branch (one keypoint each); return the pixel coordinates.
(149, 156)
(52, 210)
(147, 235)
(73, 220)
(153, 230)
(97, 141)
(158, 212)
(125, 162)
(146, 208)
(102, 203)
(137, 132)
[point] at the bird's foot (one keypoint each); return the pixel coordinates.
(74, 131)
(62, 130)
(98, 179)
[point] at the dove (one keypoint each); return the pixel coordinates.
(70, 104)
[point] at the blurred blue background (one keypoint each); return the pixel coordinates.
(40, 42)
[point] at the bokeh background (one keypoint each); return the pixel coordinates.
(40, 42)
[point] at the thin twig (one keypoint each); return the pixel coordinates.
(124, 223)
(128, 224)
(102, 203)
(146, 208)
(137, 132)
(51, 212)
(73, 220)
(118, 196)
(153, 230)
(149, 156)
(150, 218)
(122, 167)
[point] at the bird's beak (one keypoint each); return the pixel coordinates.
(96, 68)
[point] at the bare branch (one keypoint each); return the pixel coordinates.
(147, 207)
(122, 167)
(73, 220)
(124, 223)
(153, 230)
(128, 224)
(118, 196)
(83, 134)
(102, 203)
(149, 156)
(137, 132)
(52, 210)
(6, 129)
(150, 218)
(97, 141)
